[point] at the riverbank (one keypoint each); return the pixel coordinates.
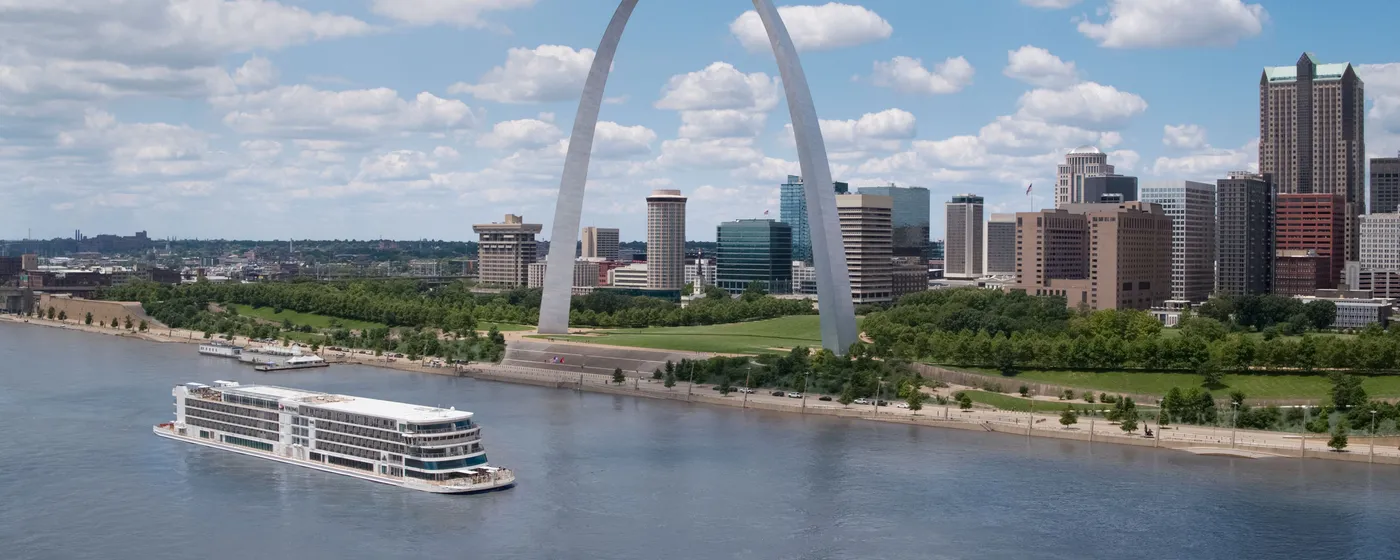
(1193, 439)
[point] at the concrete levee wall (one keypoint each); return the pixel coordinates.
(580, 358)
(102, 311)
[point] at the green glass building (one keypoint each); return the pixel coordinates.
(754, 250)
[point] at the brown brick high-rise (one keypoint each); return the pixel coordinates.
(1100, 256)
(1312, 136)
(1304, 222)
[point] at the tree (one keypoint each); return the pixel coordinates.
(1347, 391)
(670, 380)
(656, 374)
(848, 394)
(618, 377)
(725, 387)
(143, 327)
(1237, 399)
(755, 291)
(87, 319)
(1338, 442)
(114, 322)
(964, 401)
(1129, 425)
(1321, 314)
(1025, 390)
(1069, 417)
(128, 322)
(916, 399)
(63, 315)
(1210, 374)
(52, 313)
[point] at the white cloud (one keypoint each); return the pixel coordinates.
(720, 86)
(885, 131)
(140, 148)
(261, 150)
(1124, 161)
(521, 134)
(1187, 136)
(1383, 120)
(1050, 4)
(543, 74)
(908, 75)
(1176, 23)
(1036, 66)
(722, 123)
(722, 153)
(1087, 104)
(304, 110)
(1209, 164)
(1019, 134)
(175, 32)
(465, 13)
(615, 141)
(398, 164)
(257, 73)
(814, 28)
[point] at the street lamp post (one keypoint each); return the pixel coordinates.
(747, 377)
(879, 384)
(806, 385)
(1234, 422)
(1373, 437)
(690, 384)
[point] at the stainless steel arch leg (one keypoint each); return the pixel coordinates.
(563, 236)
(838, 323)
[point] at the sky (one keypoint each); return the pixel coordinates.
(414, 119)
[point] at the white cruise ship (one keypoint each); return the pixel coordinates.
(269, 352)
(219, 348)
(420, 447)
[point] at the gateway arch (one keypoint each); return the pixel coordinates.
(838, 322)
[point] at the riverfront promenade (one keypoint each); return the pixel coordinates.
(1195, 439)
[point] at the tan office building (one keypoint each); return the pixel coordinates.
(506, 251)
(600, 243)
(1099, 256)
(666, 240)
(867, 231)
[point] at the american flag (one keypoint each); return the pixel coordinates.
(1028, 188)
(765, 212)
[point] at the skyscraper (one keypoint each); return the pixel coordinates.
(1304, 223)
(600, 243)
(911, 219)
(1385, 185)
(1081, 163)
(1001, 245)
(506, 251)
(1379, 269)
(754, 251)
(1101, 256)
(665, 240)
(1191, 206)
(792, 210)
(1312, 135)
(867, 231)
(1244, 240)
(963, 254)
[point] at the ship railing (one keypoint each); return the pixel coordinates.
(480, 477)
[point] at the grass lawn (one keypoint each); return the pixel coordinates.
(311, 319)
(1254, 386)
(1017, 404)
(504, 327)
(755, 337)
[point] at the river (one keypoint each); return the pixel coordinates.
(81, 476)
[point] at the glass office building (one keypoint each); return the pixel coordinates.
(754, 250)
(911, 219)
(793, 211)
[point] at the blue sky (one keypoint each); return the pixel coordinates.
(417, 118)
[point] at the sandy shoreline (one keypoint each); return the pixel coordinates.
(1195, 439)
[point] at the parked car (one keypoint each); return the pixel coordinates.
(745, 390)
(794, 395)
(901, 405)
(778, 393)
(883, 403)
(825, 398)
(862, 401)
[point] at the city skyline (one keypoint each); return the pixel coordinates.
(330, 126)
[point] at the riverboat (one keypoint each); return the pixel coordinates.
(299, 362)
(220, 349)
(424, 448)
